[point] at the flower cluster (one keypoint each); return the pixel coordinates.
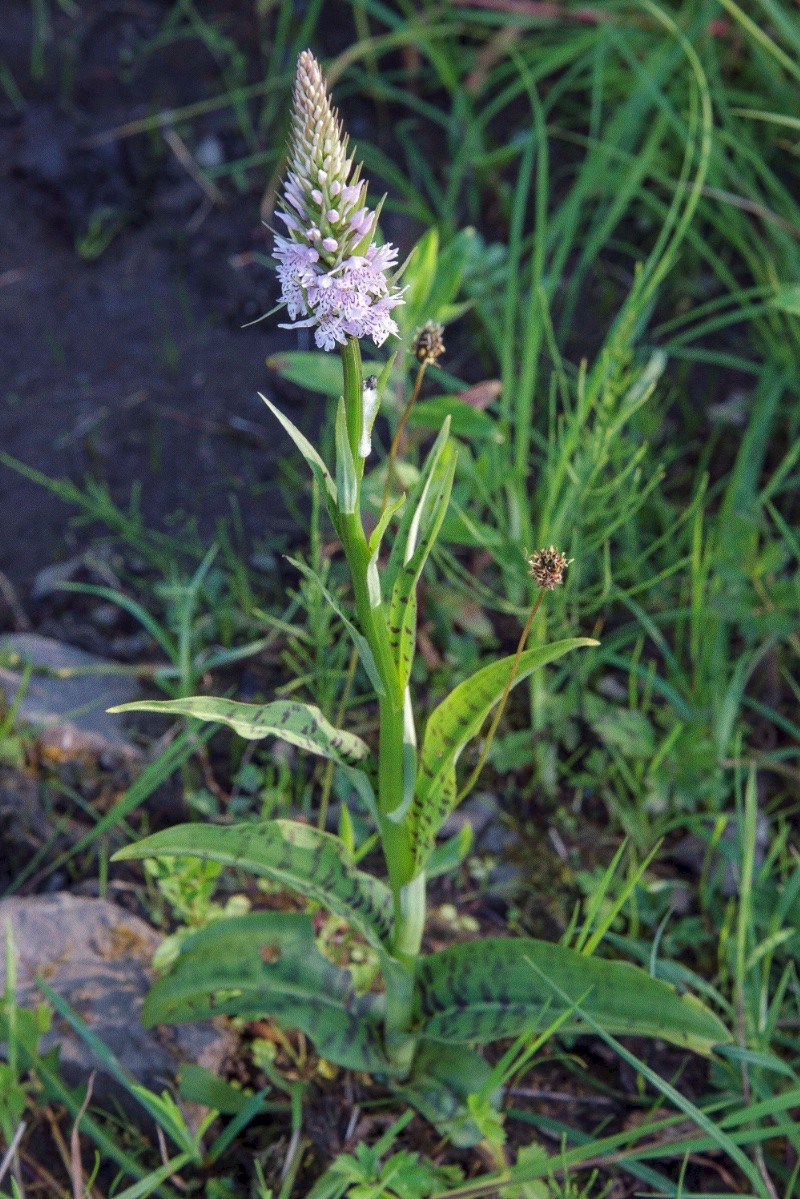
(333, 277)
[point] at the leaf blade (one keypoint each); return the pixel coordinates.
(358, 639)
(297, 856)
(267, 964)
(430, 513)
(302, 725)
(455, 722)
(318, 467)
(513, 983)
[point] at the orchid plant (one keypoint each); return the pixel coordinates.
(419, 1022)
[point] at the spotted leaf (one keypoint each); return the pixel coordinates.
(453, 724)
(294, 855)
(300, 724)
(266, 964)
(505, 986)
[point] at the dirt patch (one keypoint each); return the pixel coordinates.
(128, 363)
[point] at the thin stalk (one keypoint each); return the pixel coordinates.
(401, 425)
(487, 745)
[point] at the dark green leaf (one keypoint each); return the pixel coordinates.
(199, 1085)
(466, 421)
(502, 987)
(267, 964)
(444, 1077)
(455, 722)
(315, 370)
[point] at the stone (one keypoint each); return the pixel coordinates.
(66, 696)
(480, 810)
(97, 956)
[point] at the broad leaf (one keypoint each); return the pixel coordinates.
(443, 1078)
(294, 855)
(267, 964)
(455, 722)
(505, 986)
(466, 421)
(299, 724)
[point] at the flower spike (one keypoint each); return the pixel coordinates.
(333, 277)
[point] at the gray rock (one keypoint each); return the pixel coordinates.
(692, 852)
(51, 577)
(97, 957)
(480, 810)
(67, 695)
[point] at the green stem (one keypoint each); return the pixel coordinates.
(408, 891)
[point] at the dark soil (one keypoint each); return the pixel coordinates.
(130, 366)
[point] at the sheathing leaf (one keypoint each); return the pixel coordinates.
(398, 555)
(389, 512)
(358, 639)
(505, 986)
(346, 482)
(267, 964)
(294, 855)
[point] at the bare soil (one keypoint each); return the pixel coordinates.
(130, 366)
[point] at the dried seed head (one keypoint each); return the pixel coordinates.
(547, 567)
(428, 343)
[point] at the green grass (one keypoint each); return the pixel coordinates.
(632, 281)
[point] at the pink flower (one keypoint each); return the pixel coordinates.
(332, 275)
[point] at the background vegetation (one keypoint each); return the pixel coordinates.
(614, 194)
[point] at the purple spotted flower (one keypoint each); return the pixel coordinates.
(333, 277)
